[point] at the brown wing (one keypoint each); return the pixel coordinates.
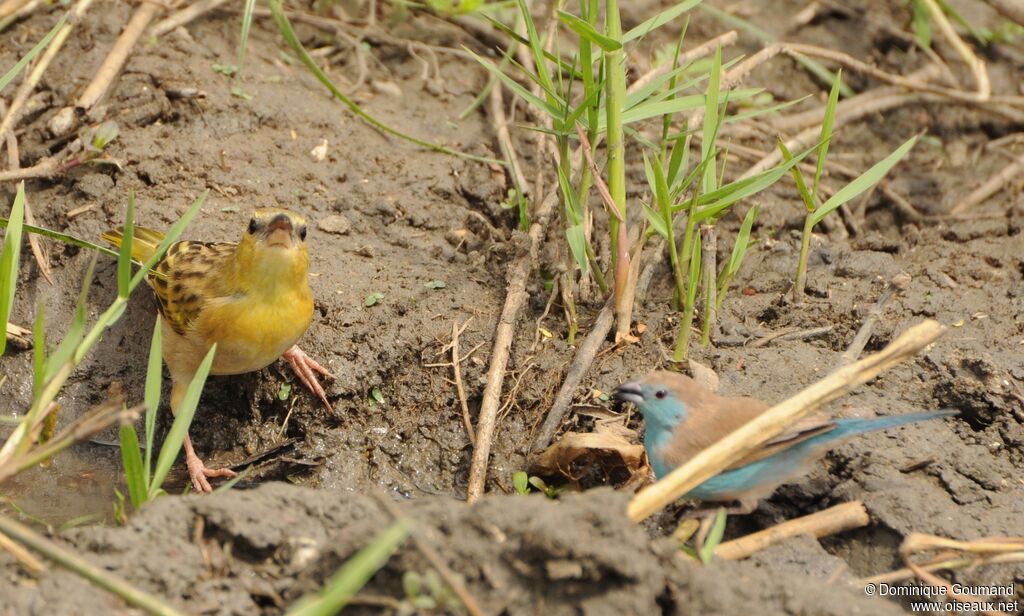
(183, 279)
(802, 430)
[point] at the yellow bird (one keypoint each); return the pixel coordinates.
(251, 298)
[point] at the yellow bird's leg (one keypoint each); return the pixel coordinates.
(305, 368)
(197, 471)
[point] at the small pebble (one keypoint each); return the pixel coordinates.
(335, 223)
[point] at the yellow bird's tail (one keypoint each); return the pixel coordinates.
(144, 242)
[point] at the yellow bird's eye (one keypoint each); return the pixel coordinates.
(252, 226)
(302, 233)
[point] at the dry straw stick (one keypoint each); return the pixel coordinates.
(821, 524)
(716, 458)
(94, 574)
(118, 55)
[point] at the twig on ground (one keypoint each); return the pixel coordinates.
(456, 368)
(23, 556)
(899, 283)
(10, 7)
(19, 336)
(184, 16)
(515, 298)
(977, 67)
(821, 524)
(1010, 549)
(24, 92)
(991, 186)
(716, 458)
(788, 334)
(585, 354)
(76, 564)
(426, 547)
(118, 55)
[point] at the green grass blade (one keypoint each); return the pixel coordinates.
(154, 376)
(39, 351)
(710, 132)
(587, 32)
(182, 420)
(826, 129)
(243, 40)
(124, 258)
(739, 250)
(541, 104)
(230, 483)
(810, 202)
(658, 20)
(707, 551)
(32, 53)
(9, 261)
(922, 23)
(536, 48)
(741, 189)
(66, 349)
(132, 460)
(172, 236)
(63, 237)
(866, 180)
(288, 32)
(354, 574)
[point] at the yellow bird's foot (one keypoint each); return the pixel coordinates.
(305, 368)
(198, 471)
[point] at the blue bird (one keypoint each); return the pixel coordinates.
(682, 418)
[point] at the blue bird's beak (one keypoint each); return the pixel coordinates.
(630, 392)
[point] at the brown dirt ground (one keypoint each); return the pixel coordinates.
(417, 216)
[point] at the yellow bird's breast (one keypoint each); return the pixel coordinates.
(253, 331)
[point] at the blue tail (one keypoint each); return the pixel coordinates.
(851, 427)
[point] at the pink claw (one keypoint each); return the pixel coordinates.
(305, 368)
(198, 471)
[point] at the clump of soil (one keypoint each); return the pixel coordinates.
(389, 218)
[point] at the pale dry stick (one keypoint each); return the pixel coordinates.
(973, 62)
(810, 136)
(949, 564)
(920, 541)
(830, 521)
(585, 354)
(14, 113)
(19, 336)
(96, 575)
(814, 117)
(1012, 9)
(496, 107)
(708, 47)
(745, 439)
(852, 63)
(118, 55)
(804, 334)
(898, 284)
(994, 184)
(426, 547)
(23, 556)
(456, 368)
(10, 7)
(38, 250)
(184, 16)
(515, 298)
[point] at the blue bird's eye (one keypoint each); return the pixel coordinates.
(660, 394)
